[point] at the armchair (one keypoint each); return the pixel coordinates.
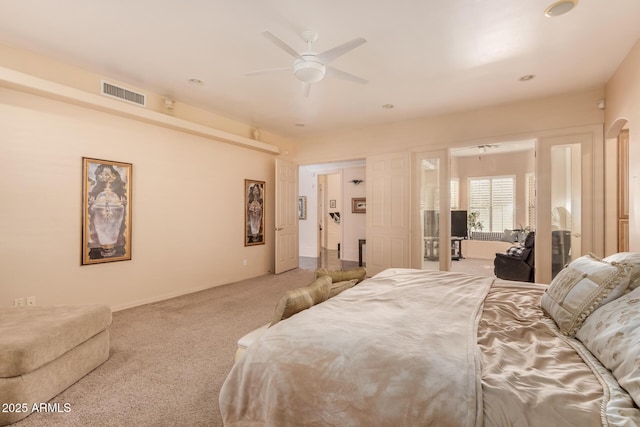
(518, 263)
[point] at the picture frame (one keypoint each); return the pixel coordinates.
(254, 199)
(359, 205)
(302, 207)
(332, 204)
(106, 211)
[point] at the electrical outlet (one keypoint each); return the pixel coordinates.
(18, 302)
(244, 262)
(31, 301)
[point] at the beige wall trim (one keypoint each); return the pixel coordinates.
(26, 83)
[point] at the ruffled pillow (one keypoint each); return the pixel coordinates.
(338, 287)
(295, 300)
(612, 334)
(358, 273)
(631, 258)
(581, 287)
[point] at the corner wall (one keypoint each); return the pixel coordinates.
(623, 106)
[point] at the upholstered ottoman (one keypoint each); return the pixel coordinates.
(43, 350)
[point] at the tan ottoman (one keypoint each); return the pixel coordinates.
(43, 350)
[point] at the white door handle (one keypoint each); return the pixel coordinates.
(279, 228)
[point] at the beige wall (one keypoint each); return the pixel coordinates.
(333, 192)
(623, 107)
(39, 66)
(502, 123)
(187, 209)
(354, 224)
(188, 206)
(517, 164)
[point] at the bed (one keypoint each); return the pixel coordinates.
(412, 348)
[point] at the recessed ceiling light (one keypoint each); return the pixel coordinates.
(560, 8)
(527, 77)
(388, 106)
(196, 82)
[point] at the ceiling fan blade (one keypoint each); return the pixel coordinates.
(267, 70)
(331, 54)
(306, 88)
(282, 45)
(334, 72)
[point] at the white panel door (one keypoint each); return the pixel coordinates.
(286, 196)
(388, 212)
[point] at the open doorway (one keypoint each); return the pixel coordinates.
(616, 204)
(330, 212)
(330, 232)
(492, 186)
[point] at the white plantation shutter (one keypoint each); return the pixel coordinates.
(480, 199)
(531, 200)
(502, 208)
(454, 190)
(493, 198)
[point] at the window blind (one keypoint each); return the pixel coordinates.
(493, 199)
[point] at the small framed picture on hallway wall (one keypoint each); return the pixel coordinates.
(359, 205)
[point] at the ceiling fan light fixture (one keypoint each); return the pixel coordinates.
(309, 71)
(560, 8)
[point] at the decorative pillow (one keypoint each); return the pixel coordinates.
(517, 251)
(580, 288)
(337, 287)
(612, 334)
(631, 258)
(342, 275)
(509, 236)
(296, 300)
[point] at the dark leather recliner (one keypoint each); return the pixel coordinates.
(518, 263)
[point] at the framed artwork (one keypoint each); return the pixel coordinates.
(253, 212)
(106, 211)
(302, 207)
(359, 205)
(332, 203)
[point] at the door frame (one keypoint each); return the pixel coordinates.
(591, 142)
(286, 246)
(444, 225)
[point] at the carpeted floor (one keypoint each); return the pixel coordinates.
(169, 359)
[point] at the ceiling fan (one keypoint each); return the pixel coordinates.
(310, 67)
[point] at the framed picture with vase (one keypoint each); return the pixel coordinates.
(253, 212)
(106, 211)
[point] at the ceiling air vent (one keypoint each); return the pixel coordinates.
(123, 94)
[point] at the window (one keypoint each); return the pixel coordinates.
(454, 191)
(531, 201)
(493, 198)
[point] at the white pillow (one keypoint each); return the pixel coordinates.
(612, 334)
(580, 288)
(631, 258)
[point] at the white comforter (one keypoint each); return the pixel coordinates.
(395, 350)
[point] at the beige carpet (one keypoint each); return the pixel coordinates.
(169, 359)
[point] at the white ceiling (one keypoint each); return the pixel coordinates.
(425, 57)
